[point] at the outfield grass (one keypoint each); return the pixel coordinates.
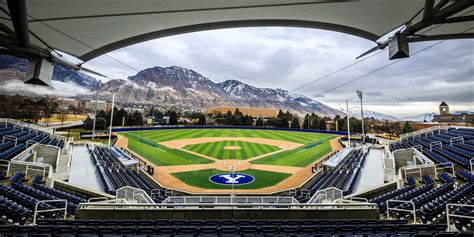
(200, 179)
(146, 144)
(300, 157)
(216, 149)
(161, 155)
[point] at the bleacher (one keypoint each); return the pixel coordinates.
(19, 198)
(113, 175)
(237, 227)
(344, 177)
(15, 138)
(450, 145)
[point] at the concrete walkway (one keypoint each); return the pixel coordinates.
(372, 171)
(82, 169)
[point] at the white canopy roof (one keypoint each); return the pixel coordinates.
(89, 28)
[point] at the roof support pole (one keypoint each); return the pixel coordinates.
(428, 9)
(18, 15)
(440, 5)
(440, 16)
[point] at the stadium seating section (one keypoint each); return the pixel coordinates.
(113, 176)
(231, 228)
(15, 139)
(344, 177)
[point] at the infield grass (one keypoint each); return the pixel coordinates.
(200, 179)
(217, 149)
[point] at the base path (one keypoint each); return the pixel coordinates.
(181, 143)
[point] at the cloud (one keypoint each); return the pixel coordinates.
(58, 88)
(287, 58)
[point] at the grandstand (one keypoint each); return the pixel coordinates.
(131, 201)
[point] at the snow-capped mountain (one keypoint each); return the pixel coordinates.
(419, 118)
(276, 98)
(172, 86)
(373, 114)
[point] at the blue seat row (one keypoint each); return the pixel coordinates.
(8, 154)
(446, 178)
(60, 194)
(26, 200)
(432, 210)
(40, 195)
(406, 196)
(422, 199)
(10, 210)
(465, 175)
(427, 179)
(453, 156)
(17, 177)
(462, 223)
(463, 152)
(410, 181)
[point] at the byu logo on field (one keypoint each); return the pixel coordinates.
(229, 179)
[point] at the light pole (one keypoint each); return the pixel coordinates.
(95, 110)
(360, 95)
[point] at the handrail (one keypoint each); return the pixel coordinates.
(49, 210)
(448, 215)
(413, 211)
(229, 205)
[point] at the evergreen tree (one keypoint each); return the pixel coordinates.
(406, 128)
(259, 122)
(295, 123)
(228, 118)
(280, 115)
(306, 121)
(202, 120)
(173, 118)
(322, 124)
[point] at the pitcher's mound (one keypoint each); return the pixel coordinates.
(232, 148)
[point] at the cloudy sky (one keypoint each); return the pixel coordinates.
(288, 58)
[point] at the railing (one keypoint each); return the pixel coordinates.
(229, 199)
(436, 143)
(327, 195)
(420, 170)
(35, 215)
(449, 216)
(455, 139)
(230, 206)
(412, 211)
(422, 131)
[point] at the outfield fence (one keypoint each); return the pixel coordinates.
(130, 129)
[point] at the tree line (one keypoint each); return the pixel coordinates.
(135, 118)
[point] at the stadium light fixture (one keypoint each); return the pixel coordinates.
(360, 95)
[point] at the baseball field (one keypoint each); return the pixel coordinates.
(189, 157)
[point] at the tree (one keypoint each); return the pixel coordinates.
(228, 118)
(237, 112)
(280, 115)
(202, 120)
(306, 121)
(173, 118)
(322, 124)
(271, 122)
(406, 128)
(100, 123)
(295, 123)
(259, 122)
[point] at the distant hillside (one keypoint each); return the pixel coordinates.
(173, 86)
